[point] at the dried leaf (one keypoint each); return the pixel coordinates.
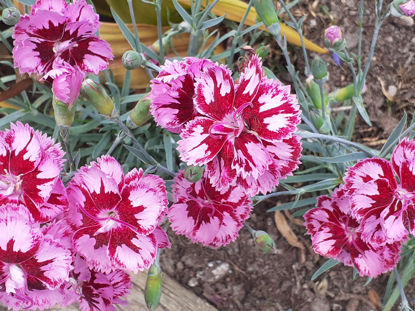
(286, 231)
(375, 299)
(384, 91)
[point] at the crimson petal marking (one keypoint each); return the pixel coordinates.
(49, 267)
(198, 146)
(4, 154)
(214, 95)
(371, 184)
(393, 222)
(132, 251)
(275, 112)
(94, 247)
(249, 81)
(20, 236)
(143, 203)
(250, 156)
(403, 162)
(25, 149)
(219, 171)
(206, 215)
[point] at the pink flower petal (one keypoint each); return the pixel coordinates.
(214, 94)
(249, 81)
(198, 146)
(49, 5)
(403, 162)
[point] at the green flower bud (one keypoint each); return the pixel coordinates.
(343, 94)
(152, 291)
(96, 94)
(139, 115)
(266, 11)
(264, 242)
(193, 173)
(64, 115)
(131, 60)
(322, 124)
(10, 16)
(319, 68)
(313, 91)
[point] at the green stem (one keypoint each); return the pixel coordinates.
(64, 132)
(160, 30)
(405, 304)
(359, 48)
(121, 135)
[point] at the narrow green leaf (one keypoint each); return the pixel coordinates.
(358, 100)
(186, 17)
(168, 147)
(339, 159)
(321, 185)
(80, 129)
(348, 131)
(101, 145)
(212, 22)
(124, 29)
(301, 212)
(326, 266)
(12, 117)
(308, 177)
(138, 154)
(394, 137)
(294, 204)
(28, 2)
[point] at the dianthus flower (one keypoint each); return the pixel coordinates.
(336, 234)
(57, 32)
(205, 215)
(385, 207)
(172, 92)
(100, 291)
(240, 127)
(32, 266)
(30, 164)
(116, 217)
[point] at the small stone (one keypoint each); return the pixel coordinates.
(392, 90)
(313, 23)
(179, 266)
(221, 270)
(405, 21)
(193, 282)
(320, 304)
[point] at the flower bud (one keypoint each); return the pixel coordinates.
(319, 68)
(139, 115)
(264, 242)
(131, 59)
(313, 90)
(10, 16)
(152, 291)
(266, 11)
(193, 173)
(96, 94)
(322, 124)
(333, 37)
(403, 7)
(64, 114)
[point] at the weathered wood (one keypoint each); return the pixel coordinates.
(174, 297)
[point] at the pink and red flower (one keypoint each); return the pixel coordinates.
(204, 214)
(30, 164)
(57, 32)
(385, 207)
(239, 126)
(173, 90)
(116, 217)
(31, 265)
(336, 234)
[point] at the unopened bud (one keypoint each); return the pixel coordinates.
(152, 292)
(64, 114)
(322, 124)
(131, 60)
(10, 16)
(319, 68)
(193, 173)
(313, 90)
(96, 94)
(139, 115)
(403, 7)
(333, 37)
(266, 11)
(264, 242)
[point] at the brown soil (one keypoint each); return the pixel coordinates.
(241, 277)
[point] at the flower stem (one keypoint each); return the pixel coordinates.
(64, 132)
(405, 304)
(160, 30)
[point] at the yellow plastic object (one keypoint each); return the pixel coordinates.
(234, 10)
(7, 105)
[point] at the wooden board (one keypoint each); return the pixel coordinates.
(174, 297)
